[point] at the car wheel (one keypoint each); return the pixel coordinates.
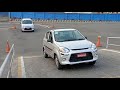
(92, 63)
(45, 55)
(59, 66)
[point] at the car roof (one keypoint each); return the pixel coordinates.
(26, 19)
(62, 29)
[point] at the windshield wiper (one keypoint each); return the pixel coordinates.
(80, 39)
(73, 39)
(70, 40)
(60, 41)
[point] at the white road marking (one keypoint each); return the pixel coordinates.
(115, 51)
(46, 26)
(111, 77)
(23, 68)
(32, 57)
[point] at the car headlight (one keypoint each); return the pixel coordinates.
(32, 26)
(64, 50)
(23, 26)
(93, 46)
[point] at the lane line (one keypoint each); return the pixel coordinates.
(111, 77)
(110, 50)
(21, 68)
(46, 26)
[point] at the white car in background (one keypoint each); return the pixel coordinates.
(69, 46)
(27, 24)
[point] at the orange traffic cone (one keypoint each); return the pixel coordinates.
(13, 27)
(7, 47)
(98, 44)
(10, 19)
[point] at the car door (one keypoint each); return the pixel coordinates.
(21, 24)
(50, 45)
(45, 42)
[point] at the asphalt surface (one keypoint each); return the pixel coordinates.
(29, 45)
(107, 66)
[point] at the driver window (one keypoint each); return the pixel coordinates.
(50, 37)
(47, 35)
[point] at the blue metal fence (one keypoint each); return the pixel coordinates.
(65, 16)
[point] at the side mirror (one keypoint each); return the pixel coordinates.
(86, 37)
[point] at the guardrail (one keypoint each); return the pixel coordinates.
(108, 38)
(5, 69)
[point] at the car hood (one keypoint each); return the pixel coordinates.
(75, 44)
(27, 25)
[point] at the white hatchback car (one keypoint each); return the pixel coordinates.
(27, 24)
(69, 46)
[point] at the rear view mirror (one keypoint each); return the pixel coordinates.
(48, 40)
(86, 37)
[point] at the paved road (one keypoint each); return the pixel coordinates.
(29, 44)
(107, 66)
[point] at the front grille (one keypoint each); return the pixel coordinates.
(74, 57)
(28, 28)
(80, 49)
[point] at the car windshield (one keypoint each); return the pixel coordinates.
(69, 35)
(27, 22)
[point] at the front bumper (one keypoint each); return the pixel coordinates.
(65, 58)
(27, 29)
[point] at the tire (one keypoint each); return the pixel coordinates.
(59, 66)
(45, 54)
(92, 63)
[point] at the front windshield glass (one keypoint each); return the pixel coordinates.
(69, 35)
(27, 22)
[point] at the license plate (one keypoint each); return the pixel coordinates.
(81, 55)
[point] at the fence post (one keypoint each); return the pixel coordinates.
(67, 16)
(107, 42)
(22, 14)
(9, 15)
(34, 15)
(43, 15)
